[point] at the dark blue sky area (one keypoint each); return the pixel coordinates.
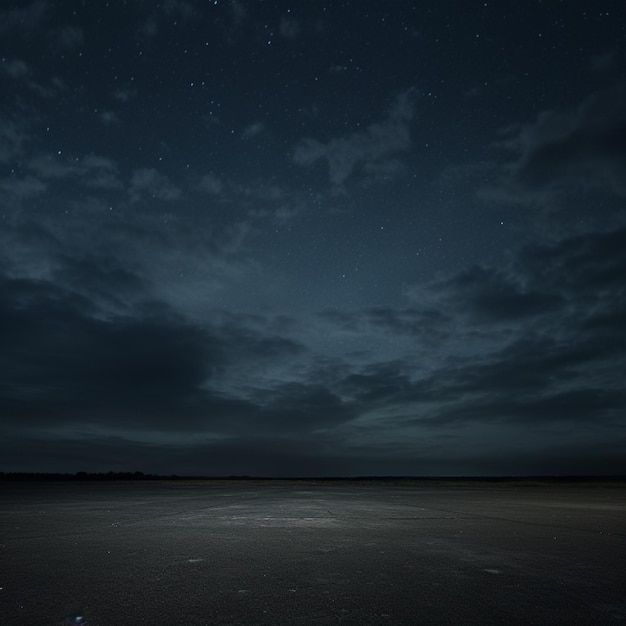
(313, 238)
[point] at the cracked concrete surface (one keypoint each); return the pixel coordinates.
(222, 552)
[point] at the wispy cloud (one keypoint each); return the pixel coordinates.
(109, 118)
(20, 72)
(70, 37)
(370, 148)
(210, 184)
(289, 27)
(25, 19)
(14, 136)
(253, 130)
(22, 188)
(149, 182)
(91, 170)
(15, 68)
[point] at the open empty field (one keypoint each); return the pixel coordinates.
(227, 552)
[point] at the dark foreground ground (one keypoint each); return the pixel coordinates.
(311, 553)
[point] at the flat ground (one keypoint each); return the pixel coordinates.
(311, 553)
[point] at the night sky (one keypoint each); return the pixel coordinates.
(313, 238)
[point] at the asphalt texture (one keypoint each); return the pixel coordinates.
(311, 553)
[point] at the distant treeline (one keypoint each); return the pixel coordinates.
(86, 476)
(137, 476)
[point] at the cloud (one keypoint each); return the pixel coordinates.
(301, 408)
(24, 20)
(534, 345)
(148, 181)
(605, 62)
(149, 28)
(92, 170)
(100, 172)
(247, 344)
(166, 13)
(579, 148)
(106, 282)
(491, 295)
(549, 347)
(588, 265)
(180, 8)
(70, 37)
(124, 95)
(289, 27)
(72, 366)
(257, 202)
(69, 361)
(235, 19)
(211, 184)
(19, 71)
(109, 118)
(86, 305)
(370, 148)
(253, 130)
(378, 383)
(15, 68)
(429, 324)
(18, 189)
(14, 136)
(46, 170)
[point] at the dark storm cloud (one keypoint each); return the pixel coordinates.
(89, 348)
(65, 363)
(201, 269)
(575, 277)
(558, 360)
(245, 342)
(301, 408)
(537, 341)
(490, 295)
(591, 264)
(583, 147)
(102, 280)
(427, 324)
(589, 407)
(534, 382)
(534, 370)
(379, 382)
